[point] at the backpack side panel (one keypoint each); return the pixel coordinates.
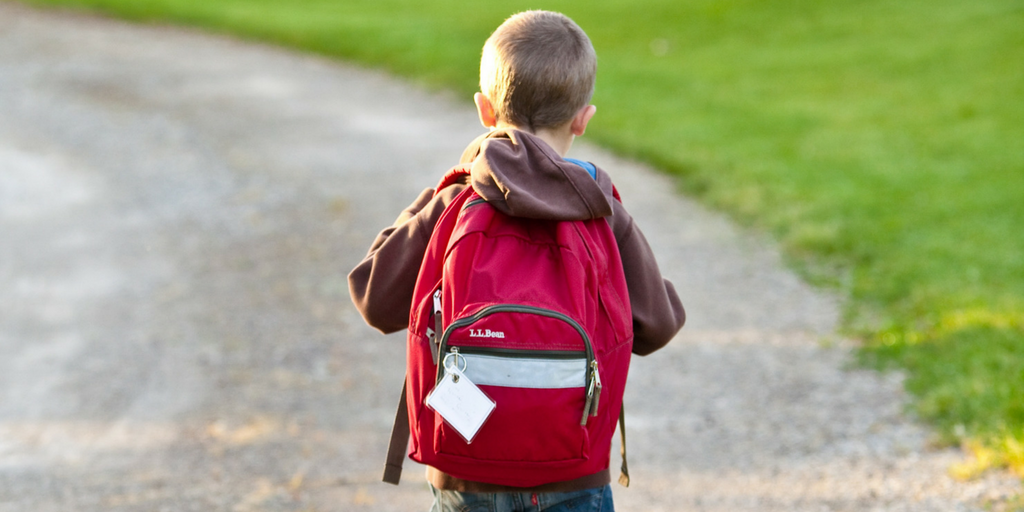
(420, 352)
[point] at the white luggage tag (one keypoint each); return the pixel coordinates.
(460, 403)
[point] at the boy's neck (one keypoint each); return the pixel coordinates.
(560, 139)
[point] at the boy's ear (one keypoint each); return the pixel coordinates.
(485, 109)
(579, 123)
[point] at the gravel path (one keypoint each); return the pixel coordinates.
(177, 215)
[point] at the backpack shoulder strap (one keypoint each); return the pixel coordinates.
(453, 176)
(399, 443)
(624, 470)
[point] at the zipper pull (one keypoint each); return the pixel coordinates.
(596, 381)
(588, 403)
(434, 353)
(593, 394)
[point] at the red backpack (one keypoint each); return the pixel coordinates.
(537, 315)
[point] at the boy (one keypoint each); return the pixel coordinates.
(536, 78)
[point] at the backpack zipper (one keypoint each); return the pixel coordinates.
(592, 385)
(523, 354)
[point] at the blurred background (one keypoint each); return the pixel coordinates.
(879, 143)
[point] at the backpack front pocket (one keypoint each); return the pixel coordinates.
(536, 365)
(538, 401)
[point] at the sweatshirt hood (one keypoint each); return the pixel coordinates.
(522, 176)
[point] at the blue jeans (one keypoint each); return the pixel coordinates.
(598, 499)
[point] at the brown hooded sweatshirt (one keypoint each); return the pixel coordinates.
(520, 175)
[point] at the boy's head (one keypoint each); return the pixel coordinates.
(538, 70)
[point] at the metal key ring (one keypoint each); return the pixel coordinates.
(455, 363)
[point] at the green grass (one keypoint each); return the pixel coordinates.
(880, 141)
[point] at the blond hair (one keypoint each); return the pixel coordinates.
(538, 70)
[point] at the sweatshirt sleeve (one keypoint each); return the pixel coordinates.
(381, 285)
(658, 313)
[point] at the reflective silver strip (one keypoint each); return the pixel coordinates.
(520, 372)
